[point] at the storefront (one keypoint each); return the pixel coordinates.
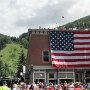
(53, 75)
(60, 75)
(39, 76)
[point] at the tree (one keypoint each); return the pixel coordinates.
(23, 40)
(1, 68)
(22, 61)
(4, 40)
(4, 69)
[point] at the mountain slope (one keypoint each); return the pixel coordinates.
(11, 50)
(81, 23)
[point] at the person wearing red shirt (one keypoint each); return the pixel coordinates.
(50, 87)
(77, 86)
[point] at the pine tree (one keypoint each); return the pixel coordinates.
(21, 63)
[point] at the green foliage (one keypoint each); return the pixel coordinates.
(9, 59)
(4, 40)
(23, 40)
(22, 61)
(14, 39)
(12, 54)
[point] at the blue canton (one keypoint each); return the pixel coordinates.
(61, 40)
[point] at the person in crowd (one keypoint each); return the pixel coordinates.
(77, 86)
(59, 87)
(5, 87)
(14, 87)
(31, 87)
(50, 86)
(18, 86)
(26, 86)
(88, 86)
(65, 85)
(22, 85)
(71, 86)
(62, 86)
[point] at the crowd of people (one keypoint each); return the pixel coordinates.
(62, 86)
(45, 86)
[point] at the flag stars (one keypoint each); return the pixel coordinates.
(61, 40)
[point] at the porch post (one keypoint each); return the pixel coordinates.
(57, 75)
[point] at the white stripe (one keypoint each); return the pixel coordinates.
(70, 63)
(70, 57)
(82, 46)
(82, 35)
(71, 52)
(81, 40)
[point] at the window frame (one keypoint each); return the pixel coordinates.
(51, 74)
(47, 55)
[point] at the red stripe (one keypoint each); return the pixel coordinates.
(81, 43)
(73, 54)
(71, 60)
(81, 32)
(81, 37)
(81, 48)
(71, 66)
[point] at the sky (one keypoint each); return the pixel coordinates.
(17, 16)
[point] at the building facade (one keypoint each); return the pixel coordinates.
(39, 66)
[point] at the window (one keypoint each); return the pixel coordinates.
(62, 75)
(51, 75)
(70, 75)
(46, 56)
(77, 75)
(39, 75)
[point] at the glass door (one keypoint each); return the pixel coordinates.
(79, 77)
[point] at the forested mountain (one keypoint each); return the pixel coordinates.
(4, 40)
(81, 23)
(22, 40)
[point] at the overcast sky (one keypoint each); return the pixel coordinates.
(17, 16)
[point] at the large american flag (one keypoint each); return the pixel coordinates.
(70, 49)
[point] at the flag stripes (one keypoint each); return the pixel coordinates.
(78, 56)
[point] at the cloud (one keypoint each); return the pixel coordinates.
(16, 16)
(50, 13)
(79, 9)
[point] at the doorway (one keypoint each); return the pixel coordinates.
(79, 77)
(67, 80)
(53, 81)
(39, 80)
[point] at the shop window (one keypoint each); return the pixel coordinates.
(51, 75)
(39, 75)
(77, 76)
(70, 75)
(46, 56)
(62, 75)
